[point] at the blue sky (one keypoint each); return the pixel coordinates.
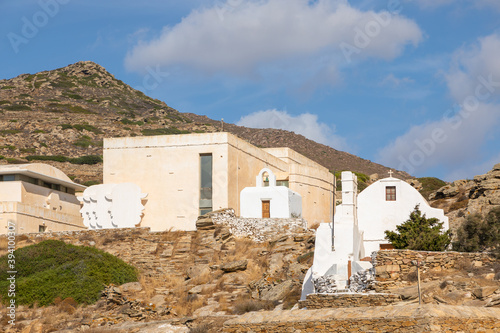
(411, 84)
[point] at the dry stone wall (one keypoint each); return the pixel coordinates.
(320, 301)
(393, 266)
(403, 319)
(259, 230)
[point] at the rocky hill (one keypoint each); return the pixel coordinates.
(68, 111)
(464, 197)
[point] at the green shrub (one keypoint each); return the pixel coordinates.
(89, 159)
(4, 102)
(420, 233)
(126, 121)
(9, 147)
(362, 180)
(83, 141)
(12, 160)
(87, 127)
(479, 234)
(52, 269)
(57, 158)
(429, 185)
(73, 96)
(27, 150)
(17, 107)
(8, 87)
(9, 131)
(39, 131)
(65, 126)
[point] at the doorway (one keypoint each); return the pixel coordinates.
(266, 209)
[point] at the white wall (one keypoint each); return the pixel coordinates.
(283, 202)
(107, 206)
(375, 214)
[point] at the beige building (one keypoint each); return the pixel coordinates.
(188, 175)
(36, 198)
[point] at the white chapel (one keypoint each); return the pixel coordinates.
(359, 225)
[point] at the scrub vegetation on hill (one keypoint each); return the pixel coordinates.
(53, 269)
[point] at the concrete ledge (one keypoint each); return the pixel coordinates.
(401, 318)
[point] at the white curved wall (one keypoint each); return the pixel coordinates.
(375, 214)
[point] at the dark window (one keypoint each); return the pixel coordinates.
(42, 228)
(205, 183)
(390, 193)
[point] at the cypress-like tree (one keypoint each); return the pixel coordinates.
(420, 233)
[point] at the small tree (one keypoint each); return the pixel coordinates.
(420, 233)
(478, 233)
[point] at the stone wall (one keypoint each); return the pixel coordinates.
(320, 301)
(259, 230)
(409, 318)
(393, 266)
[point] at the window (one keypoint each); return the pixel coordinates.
(205, 183)
(9, 178)
(282, 183)
(390, 193)
(42, 228)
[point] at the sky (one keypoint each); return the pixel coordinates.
(411, 84)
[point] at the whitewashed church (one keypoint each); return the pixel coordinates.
(359, 225)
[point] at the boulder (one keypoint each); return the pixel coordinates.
(197, 270)
(205, 223)
(131, 287)
(278, 292)
(233, 266)
(482, 292)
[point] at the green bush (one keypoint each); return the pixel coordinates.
(52, 269)
(9, 131)
(87, 159)
(11, 160)
(57, 158)
(429, 185)
(17, 107)
(83, 141)
(9, 147)
(420, 233)
(73, 96)
(87, 127)
(8, 87)
(27, 150)
(479, 234)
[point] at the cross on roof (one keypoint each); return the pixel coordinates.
(390, 173)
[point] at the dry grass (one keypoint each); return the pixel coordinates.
(314, 226)
(245, 305)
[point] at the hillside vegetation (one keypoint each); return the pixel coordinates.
(53, 269)
(67, 112)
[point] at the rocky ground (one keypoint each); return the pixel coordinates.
(187, 278)
(464, 197)
(195, 281)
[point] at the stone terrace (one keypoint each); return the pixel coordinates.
(407, 318)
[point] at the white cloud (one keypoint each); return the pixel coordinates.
(239, 38)
(306, 124)
(456, 141)
(392, 80)
(479, 62)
